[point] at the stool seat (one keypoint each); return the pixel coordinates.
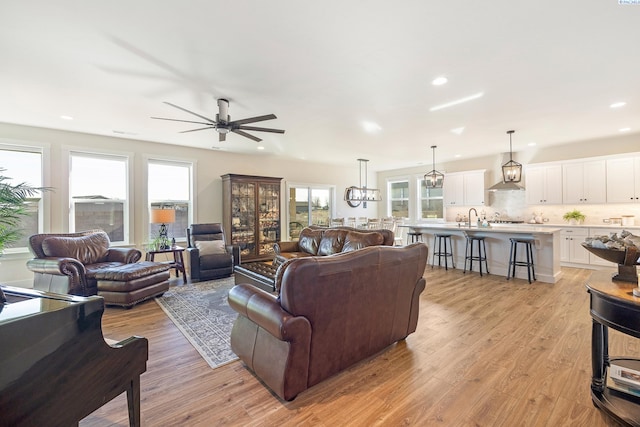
(414, 236)
(513, 257)
(481, 255)
(440, 240)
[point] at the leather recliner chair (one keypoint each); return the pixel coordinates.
(209, 255)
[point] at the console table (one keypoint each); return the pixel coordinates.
(612, 306)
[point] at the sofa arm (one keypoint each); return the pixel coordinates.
(194, 263)
(124, 255)
(57, 266)
(285, 247)
(263, 309)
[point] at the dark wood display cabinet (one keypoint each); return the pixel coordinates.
(251, 214)
(613, 306)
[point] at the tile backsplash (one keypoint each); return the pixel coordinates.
(512, 205)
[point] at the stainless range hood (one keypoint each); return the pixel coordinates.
(506, 186)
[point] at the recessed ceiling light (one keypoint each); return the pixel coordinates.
(439, 81)
(531, 144)
(624, 129)
(458, 131)
(260, 147)
(371, 127)
(457, 101)
(457, 155)
(618, 104)
(66, 117)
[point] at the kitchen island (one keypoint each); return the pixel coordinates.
(546, 248)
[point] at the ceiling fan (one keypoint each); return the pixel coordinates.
(223, 123)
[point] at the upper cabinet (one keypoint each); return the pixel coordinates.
(464, 188)
(544, 185)
(584, 182)
(623, 180)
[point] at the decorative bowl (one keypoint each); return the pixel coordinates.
(626, 259)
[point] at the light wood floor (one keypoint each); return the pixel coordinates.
(487, 352)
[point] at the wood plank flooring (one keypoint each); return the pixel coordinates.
(487, 352)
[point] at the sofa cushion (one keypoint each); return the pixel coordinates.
(309, 240)
(331, 242)
(210, 247)
(86, 249)
(355, 240)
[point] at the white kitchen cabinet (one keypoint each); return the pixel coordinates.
(571, 249)
(474, 188)
(453, 189)
(584, 182)
(464, 188)
(544, 185)
(594, 232)
(623, 180)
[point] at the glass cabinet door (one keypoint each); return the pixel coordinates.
(243, 214)
(268, 217)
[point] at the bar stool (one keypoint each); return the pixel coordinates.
(440, 240)
(414, 236)
(513, 257)
(481, 254)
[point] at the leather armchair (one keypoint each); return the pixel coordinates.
(74, 275)
(209, 255)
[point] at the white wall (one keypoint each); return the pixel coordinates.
(210, 165)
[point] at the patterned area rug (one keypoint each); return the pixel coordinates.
(201, 312)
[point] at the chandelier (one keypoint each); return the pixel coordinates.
(511, 171)
(354, 196)
(433, 179)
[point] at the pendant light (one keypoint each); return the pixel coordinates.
(511, 171)
(355, 195)
(433, 179)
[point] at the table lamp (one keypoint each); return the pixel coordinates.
(163, 217)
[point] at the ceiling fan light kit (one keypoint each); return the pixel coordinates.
(354, 196)
(434, 179)
(223, 123)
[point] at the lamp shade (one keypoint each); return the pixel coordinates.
(163, 216)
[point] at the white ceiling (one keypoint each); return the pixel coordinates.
(548, 69)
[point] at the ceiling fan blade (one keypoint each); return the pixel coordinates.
(191, 112)
(253, 119)
(222, 137)
(260, 129)
(177, 120)
(195, 130)
(246, 135)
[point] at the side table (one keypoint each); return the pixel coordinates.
(178, 260)
(612, 306)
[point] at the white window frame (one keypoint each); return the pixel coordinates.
(390, 199)
(191, 166)
(44, 204)
(127, 209)
(309, 187)
(419, 199)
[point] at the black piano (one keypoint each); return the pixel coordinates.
(55, 366)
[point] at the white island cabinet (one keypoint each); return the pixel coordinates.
(546, 251)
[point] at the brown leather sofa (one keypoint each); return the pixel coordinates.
(331, 312)
(322, 241)
(84, 264)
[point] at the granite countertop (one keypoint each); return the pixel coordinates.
(493, 228)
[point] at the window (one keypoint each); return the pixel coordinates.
(308, 206)
(398, 198)
(169, 187)
(431, 202)
(25, 166)
(98, 188)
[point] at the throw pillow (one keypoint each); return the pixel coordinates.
(211, 247)
(88, 249)
(355, 240)
(309, 240)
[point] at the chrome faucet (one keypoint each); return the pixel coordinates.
(469, 216)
